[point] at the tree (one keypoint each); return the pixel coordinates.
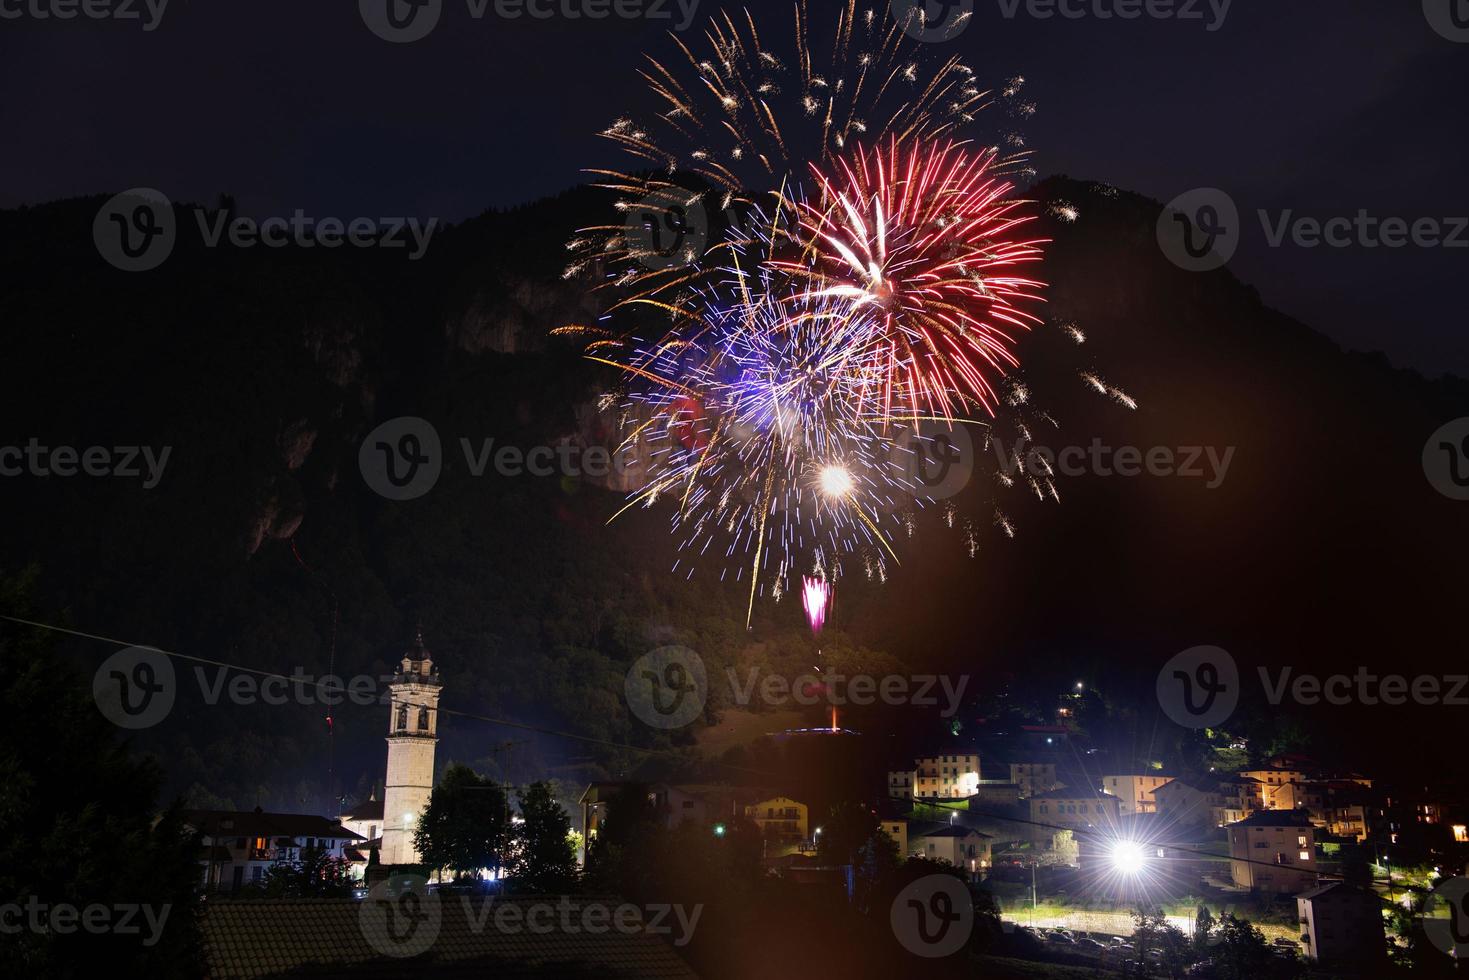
(1203, 926)
(1241, 953)
(544, 857)
(466, 826)
(79, 823)
(1154, 931)
(316, 875)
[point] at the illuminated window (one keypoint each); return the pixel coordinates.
(1305, 855)
(1461, 833)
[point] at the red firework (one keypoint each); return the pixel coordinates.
(927, 234)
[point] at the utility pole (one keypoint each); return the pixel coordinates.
(1032, 891)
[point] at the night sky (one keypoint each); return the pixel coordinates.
(1323, 107)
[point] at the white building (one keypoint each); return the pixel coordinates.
(939, 777)
(413, 724)
(960, 846)
(239, 847)
(1134, 791)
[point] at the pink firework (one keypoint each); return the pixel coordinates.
(815, 595)
(926, 235)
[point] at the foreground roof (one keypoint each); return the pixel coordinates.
(326, 938)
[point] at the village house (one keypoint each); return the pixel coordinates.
(1071, 809)
(1134, 791)
(1341, 925)
(239, 847)
(1034, 777)
(1273, 851)
(962, 847)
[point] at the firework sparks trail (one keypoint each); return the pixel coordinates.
(925, 237)
(743, 114)
(794, 337)
(815, 595)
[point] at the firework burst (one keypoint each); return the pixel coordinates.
(925, 238)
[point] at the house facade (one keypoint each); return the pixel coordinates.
(1273, 851)
(1071, 809)
(960, 846)
(1034, 777)
(783, 824)
(239, 847)
(939, 777)
(1208, 802)
(1134, 791)
(1341, 925)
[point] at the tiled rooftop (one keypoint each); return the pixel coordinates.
(330, 937)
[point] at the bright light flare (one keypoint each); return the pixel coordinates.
(815, 597)
(836, 481)
(1127, 857)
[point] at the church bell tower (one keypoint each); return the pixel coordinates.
(413, 726)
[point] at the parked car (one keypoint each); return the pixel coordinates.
(1090, 945)
(1282, 941)
(1060, 939)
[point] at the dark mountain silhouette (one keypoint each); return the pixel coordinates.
(1324, 547)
